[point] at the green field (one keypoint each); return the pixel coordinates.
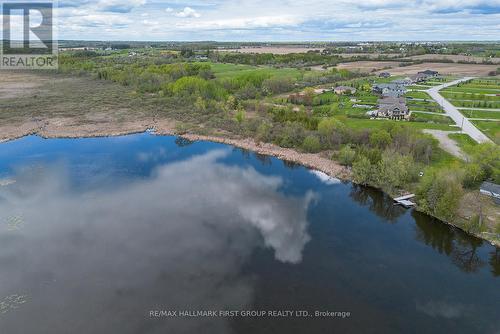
(464, 141)
(469, 96)
(489, 128)
(419, 95)
(467, 89)
(421, 117)
(231, 71)
(381, 123)
(481, 114)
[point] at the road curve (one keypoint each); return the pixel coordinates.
(453, 112)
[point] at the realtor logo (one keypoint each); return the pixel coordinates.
(28, 36)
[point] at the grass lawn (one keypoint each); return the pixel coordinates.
(481, 114)
(381, 123)
(480, 104)
(465, 89)
(464, 141)
(469, 96)
(421, 117)
(489, 128)
(419, 95)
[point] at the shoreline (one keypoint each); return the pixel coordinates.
(308, 160)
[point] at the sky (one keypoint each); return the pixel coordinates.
(279, 20)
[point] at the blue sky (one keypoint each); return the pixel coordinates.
(279, 20)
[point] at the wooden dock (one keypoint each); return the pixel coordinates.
(405, 201)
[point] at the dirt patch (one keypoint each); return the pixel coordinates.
(443, 68)
(446, 143)
(368, 66)
(446, 69)
(455, 58)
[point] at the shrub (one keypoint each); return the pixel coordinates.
(439, 193)
(473, 175)
(311, 144)
(347, 156)
(362, 171)
(380, 139)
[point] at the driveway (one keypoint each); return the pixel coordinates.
(452, 111)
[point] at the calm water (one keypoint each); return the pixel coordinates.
(97, 233)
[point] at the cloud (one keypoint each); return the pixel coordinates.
(119, 6)
(178, 239)
(286, 20)
(188, 12)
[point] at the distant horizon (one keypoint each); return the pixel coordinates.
(282, 42)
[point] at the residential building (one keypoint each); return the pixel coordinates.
(389, 89)
(393, 108)
(342, 90)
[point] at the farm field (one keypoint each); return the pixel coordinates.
(448, 69)
(368, 66)
(279, 50)
(455, 58)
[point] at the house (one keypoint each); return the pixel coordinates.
(393, 108)
(419, 77)
(492, 190)
(384, 75)
(342, 90)
(429, 73)
(403, 82)
(389, 89)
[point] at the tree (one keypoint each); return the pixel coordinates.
(473, 175)
(439, 193)
(331, 131)
(487, 155)
(311, 144)
(380, 138)
(347, 156)
(394, 170)
(362, 171)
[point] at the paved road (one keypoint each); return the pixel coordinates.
(453, 112)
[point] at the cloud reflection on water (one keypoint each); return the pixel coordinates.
(177, 240)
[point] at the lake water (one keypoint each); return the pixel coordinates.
(98, 234)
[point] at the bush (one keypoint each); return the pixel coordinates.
(362, 171)
(380, 139)
(394, 171)
(346, 156)
(311, 144)
(473, 175)
(439, 194)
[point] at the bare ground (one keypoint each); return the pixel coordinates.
(455, 58)
(443, 68)
(446, 143)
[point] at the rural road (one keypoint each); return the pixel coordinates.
(453, 112)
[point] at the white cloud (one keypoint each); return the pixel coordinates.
(286, 20)
(188, 12)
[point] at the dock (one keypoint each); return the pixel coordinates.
(405, 201)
